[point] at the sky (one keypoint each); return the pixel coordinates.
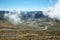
(26, 4)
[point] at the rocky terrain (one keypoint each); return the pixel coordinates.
(9, 31)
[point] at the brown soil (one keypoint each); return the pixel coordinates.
(8, 32)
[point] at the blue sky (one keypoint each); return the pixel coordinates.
(26, 4)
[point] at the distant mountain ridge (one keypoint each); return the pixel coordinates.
(25, 15)
(32, 15)
(2, 14)
(28, 14)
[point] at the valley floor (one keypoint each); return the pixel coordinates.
(13, 32)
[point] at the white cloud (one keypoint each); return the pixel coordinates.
(54, 10)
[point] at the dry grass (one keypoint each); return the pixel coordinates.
(27, 34)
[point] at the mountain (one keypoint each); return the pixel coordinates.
(32, 15)
(2, 14)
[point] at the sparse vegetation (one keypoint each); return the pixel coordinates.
(17, 33)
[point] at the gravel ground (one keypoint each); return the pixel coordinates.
(25, 32)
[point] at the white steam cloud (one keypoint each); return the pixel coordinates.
(55, 12)
(13, 17)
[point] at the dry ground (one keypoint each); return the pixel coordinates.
(14, 32)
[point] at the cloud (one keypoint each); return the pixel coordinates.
(54, 11)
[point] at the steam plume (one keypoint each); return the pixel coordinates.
(13, 17)
(55, 12)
